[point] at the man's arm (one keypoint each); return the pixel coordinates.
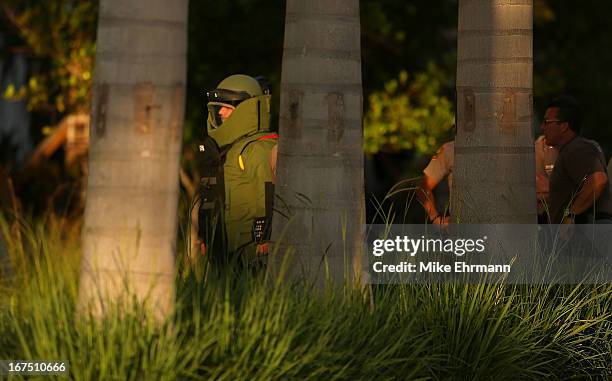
(593, 187)
(428, 200)
(439, 167)
(426, 196)
(542, 187)
(259, 170)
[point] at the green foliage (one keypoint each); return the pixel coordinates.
(246, 328)
(408, 115)
(59, 37)
(517, 332)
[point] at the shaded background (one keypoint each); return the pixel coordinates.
(409, 63)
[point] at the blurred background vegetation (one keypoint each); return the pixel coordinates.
(409, 62)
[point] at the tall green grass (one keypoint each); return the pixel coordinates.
(246, 327)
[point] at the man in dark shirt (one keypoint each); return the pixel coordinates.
(579, 189)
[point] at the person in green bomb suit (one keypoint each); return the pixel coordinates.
(238, 166)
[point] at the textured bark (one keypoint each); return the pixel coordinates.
(494, 174)
(320, 155)
(129, 235)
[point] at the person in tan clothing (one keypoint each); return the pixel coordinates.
(441, 166)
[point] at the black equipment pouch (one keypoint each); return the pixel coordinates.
(259, 229)
(211, 191)
(262, 226)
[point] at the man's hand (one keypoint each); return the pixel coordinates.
(202, 248)
(262, 249)
(441, 220)
(542, 185)
(592, 188)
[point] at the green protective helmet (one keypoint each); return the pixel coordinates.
(237, 107)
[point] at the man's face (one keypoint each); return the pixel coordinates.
(225, 112)
(554, 128)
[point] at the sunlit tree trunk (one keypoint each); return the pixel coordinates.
(320, 158)
(494, 175)
(129, 235)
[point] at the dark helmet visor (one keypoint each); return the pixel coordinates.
(219, 98)
(227, 96)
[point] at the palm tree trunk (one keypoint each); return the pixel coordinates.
(494, 174)
(129, 235)
(320, 159)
